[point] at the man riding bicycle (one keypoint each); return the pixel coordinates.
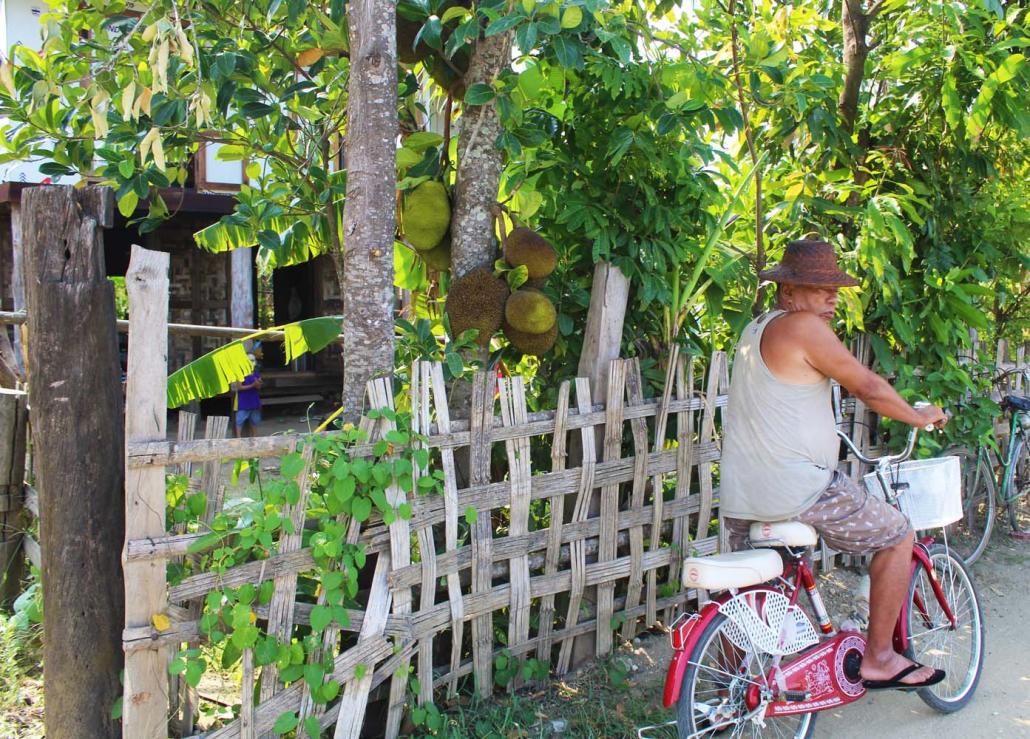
(780, 450)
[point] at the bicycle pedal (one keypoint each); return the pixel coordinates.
(853, 666)
(796, 696)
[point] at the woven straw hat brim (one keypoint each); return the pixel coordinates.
(816, 279)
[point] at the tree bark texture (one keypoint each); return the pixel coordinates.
(76, 399)
(855, 26)
(368, 219)
(480, 163)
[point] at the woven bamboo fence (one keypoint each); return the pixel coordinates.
(543, 548)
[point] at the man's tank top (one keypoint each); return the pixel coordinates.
(779, 443)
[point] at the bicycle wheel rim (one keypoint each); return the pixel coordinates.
(969, 535)
(708, 684)
(932, 641)
(1017, 487)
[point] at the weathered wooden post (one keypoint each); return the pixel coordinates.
(76, 399)
(13, 414)
(145, 708)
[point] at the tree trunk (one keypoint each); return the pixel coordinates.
(368, 217)
(76, 400)
(480, 164)
(855, 26)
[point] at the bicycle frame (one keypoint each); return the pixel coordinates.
(686, 631)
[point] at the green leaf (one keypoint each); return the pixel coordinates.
(310, 335)
(321, 617)
(569, 53)
(422, 140)
(361, 509)
(313, 674)
(287, 721)
(195, 671)
(479, 94)
(572, 17)
(127, 203)
(291, 465)
(502, 24)
(311, 727)
(471, 514)
(210, 375)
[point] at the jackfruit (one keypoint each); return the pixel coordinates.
(525, 246)
(530, 311)
(476, 301)
(426, 215)
(535, 344)
(439, 257)
(536, 283)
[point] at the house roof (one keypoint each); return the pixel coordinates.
(178, 199)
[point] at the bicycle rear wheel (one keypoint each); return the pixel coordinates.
(969, 535)
(959, 651)
(713, 699)
(1017, 487)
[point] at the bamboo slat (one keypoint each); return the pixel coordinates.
(556, 517)
(513, 413)
(577, 550)
(635, 396)
(450, 496)
(482, 530)
(420, 408)
(684, 470)
(658, 481)
(610, 503)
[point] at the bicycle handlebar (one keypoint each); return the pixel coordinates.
(890, 458)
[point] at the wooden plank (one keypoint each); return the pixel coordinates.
(684, 470)
(635, 585)
(704, 470)
(186, 431)
(380, 393)
(580, 512)
(355, 691)
(610, 503)
(280, 609)
(555, 520)
(513, 413)
(602, 337)
(657, 482)
(481, 420)
(247, 696)
(146, 683)
(420, 387)
(450, 495)
(162, 453)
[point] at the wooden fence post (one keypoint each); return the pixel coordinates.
(13, 414)
(76, 400)
(145, 708)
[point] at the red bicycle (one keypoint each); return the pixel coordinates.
(752, 662)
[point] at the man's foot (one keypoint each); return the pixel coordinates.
(897, 672)
(898, 682)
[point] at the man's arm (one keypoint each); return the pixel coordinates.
(825, 352)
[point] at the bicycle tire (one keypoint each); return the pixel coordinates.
(938, 646)
(1017, 486)
(688, 720)
(969, 536)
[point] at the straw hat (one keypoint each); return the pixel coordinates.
(809, 262)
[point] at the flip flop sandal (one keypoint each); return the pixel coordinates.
(895, 682)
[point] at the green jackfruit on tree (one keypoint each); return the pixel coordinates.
(535, 344)
(439, 257)
(530, 311)
(476, 301)
(526, 247)
(426, 215)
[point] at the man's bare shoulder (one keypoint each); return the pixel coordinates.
(801, 327)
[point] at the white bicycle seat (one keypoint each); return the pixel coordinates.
(732, 570)
(782, 534)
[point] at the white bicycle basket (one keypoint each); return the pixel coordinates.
(929, 490)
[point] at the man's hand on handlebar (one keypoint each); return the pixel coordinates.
(931, 416)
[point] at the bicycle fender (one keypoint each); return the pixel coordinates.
(684, 638)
